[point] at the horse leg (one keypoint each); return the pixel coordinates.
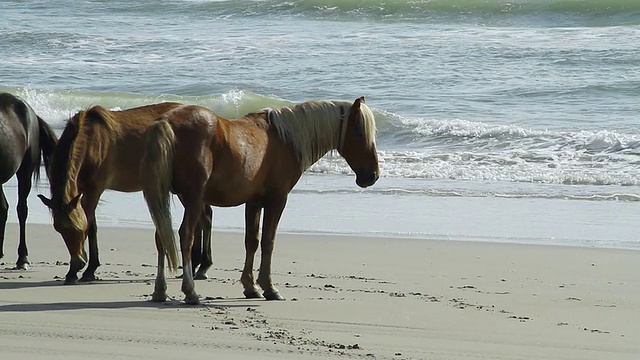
(4, 214)
(272, 214)
(196, 249)
(24, 188)
(160, 288)
(206, 260)
(89, 205)
(192, 211)
(75, 245)
(77, 261)
(252, 214)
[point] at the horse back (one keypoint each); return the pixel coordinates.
(130, 124)
(101, 148)
(139, 118)
(119, 166)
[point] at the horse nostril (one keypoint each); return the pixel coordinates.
(375, 177)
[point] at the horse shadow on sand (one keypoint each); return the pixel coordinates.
(171, 303)
(116, 305)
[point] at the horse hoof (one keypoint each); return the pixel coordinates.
(273, 296)
(88, 278)
(192, 299)
(22, 267)
(200, 276)
(159, 297)
(71, 281)
(252, 294)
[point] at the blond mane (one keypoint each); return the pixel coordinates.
(314, 127)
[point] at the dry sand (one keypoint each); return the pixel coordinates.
(347, 297)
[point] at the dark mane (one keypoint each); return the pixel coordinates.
(60, 161)
(48, 141)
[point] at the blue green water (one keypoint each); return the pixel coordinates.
(530, 103)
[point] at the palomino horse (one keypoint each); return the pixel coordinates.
(99, 149)
(255, 160)
(25, 140)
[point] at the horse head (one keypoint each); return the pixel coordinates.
(358, 145)
(70, 221)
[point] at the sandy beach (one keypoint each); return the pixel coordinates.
(347, 297)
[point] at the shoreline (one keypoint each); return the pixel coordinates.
(560, 243)
(347, 297)
(601, 224)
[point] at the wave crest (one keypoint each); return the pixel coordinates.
(417, 9)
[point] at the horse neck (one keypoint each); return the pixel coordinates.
(313, 158)
(75, 151)
(310, 143)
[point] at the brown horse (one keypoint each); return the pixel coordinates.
(25, 141)
(99, 149)
(255, 160)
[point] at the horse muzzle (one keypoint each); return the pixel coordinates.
(365, 180)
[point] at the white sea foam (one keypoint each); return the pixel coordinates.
(434, 149)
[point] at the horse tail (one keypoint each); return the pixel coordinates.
(156, 173)
(48, 141)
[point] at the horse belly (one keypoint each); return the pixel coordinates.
(12, 153)
(122, 169)
(228, 193)
(130, 183)
(120, 179)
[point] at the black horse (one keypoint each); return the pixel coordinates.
(25, 141)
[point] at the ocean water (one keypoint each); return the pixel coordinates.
(497, 120)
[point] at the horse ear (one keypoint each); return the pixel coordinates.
(74, 202)
(45, 200)
(356, 104)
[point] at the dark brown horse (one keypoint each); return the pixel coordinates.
(25, 141)
(256, 161)
(99, 149)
